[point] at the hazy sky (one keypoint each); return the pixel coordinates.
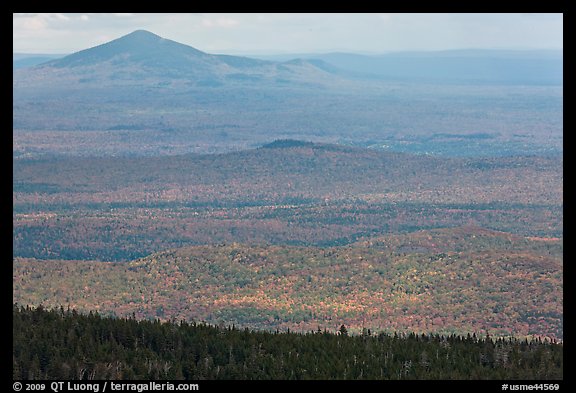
(294, 33)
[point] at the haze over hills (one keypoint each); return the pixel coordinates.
(24, 60)
(508, 67)
(144, 56)
(145, 95)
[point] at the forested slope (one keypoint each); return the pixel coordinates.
(288, 192)
(441, 281)
(63, 344)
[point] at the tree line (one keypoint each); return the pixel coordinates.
(64, 344)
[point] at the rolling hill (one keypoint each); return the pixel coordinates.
(295, 168)
(458, 280)
(286, 192)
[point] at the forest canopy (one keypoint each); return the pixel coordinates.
(64, 344)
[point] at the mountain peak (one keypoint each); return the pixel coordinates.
(142, 33)
(140, 46)
(142, 55)
(143, 37)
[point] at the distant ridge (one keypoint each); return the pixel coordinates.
(24, 60)
(287, 143)
(533, 67)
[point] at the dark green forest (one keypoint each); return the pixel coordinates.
(64, 344)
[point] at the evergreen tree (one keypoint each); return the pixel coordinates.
(68, 345)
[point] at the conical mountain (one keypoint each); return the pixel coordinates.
(140, 46)
(145, 56)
